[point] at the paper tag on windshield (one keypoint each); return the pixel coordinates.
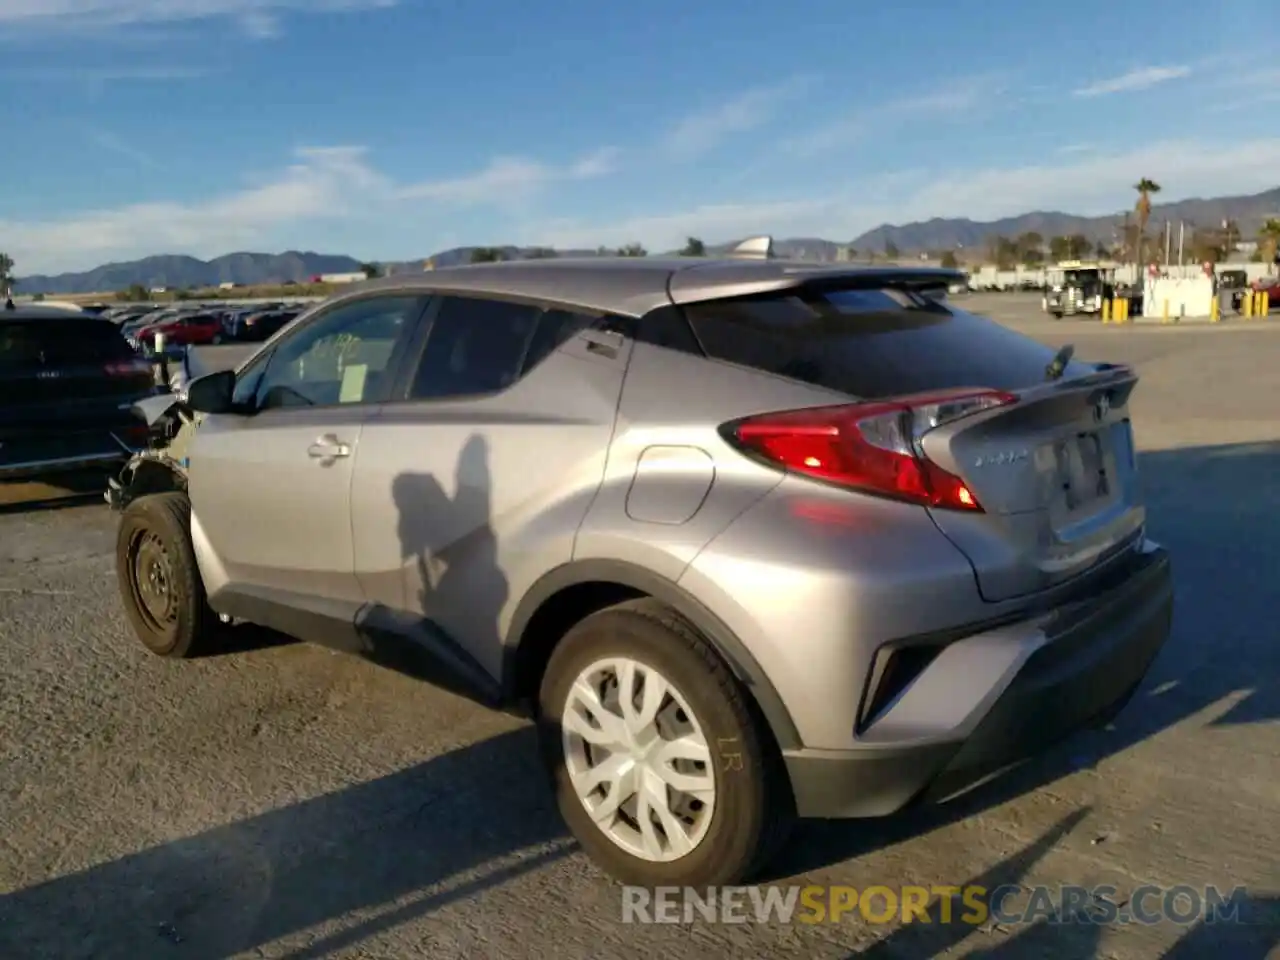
(353, 378)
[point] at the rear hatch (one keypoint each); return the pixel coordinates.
(1056, 475)
(67, 373)
(1052, 467)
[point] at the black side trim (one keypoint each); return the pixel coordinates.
(735, 654)
(408, 645)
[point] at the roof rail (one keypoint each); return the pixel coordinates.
(754, 248)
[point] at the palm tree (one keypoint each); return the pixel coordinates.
(1146, 189)
(1270, 237)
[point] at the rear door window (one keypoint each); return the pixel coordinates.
(475, 346)
(869, 343)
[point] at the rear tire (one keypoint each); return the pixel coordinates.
(742, 810)
(159, 580)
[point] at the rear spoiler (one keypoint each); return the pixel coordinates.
(722, 279)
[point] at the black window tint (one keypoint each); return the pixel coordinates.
(475, 346)
(555, 328)
(60, 341)
(667, 327)
(868, 343)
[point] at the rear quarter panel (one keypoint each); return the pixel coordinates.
(671, 483)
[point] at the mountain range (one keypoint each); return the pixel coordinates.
(256, 269)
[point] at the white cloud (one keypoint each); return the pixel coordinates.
(114, 144)
(954, 98)
(325, 184)
(1140, 78)
(704, 130)
(598, 164)
(97, 76)
(1090, 184)
(257, 17)
(339, 188)
(260, 24)
(510, 180)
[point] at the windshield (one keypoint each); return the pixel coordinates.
(1082, 276)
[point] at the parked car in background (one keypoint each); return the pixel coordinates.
(181, 331)
(1271, 287)
(131, 327)
(67, 382)
(749, 538)
(254, 326)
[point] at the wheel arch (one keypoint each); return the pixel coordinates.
(147, 475)
(565, 595)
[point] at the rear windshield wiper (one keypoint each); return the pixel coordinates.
(1058, 365)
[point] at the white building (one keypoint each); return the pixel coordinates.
(342, 277)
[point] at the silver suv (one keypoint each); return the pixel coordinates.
(750, 539)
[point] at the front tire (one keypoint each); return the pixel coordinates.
(159, 580)
(676, 783)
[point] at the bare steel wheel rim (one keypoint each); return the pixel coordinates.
(153, 582)
(638, 759)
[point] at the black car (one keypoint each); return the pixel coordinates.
(258, 326)
(68, 382)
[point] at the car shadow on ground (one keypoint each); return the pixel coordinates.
(1247, 928)
(372, 856)
(1218, 510)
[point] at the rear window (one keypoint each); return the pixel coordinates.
(868, 343)
(60, 342)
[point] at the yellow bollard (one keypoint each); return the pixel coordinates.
(1124, 310)
(1106, 311)
(1264, 307)
(1215, 310)
(1246, 304)
(1164, 312)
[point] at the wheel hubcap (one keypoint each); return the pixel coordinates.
(153, 580)
(638, 759)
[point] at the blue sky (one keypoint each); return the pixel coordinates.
(389, 129)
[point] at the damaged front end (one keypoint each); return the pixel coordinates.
(161, 465)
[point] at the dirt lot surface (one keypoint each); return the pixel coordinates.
(290, 802)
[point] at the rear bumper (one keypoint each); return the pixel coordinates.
(1083, 664)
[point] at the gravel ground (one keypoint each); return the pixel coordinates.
(289, 802)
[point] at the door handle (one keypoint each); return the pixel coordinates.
(603, 342)
(328, 447)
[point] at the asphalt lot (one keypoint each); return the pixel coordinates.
(290, 802)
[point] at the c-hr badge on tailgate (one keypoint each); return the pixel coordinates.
(1003, 458)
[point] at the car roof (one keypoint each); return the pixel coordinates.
(32, 312)
(632, 286)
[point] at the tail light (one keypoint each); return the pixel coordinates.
(870, 447)
(129, 368)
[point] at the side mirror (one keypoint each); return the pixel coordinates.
(212, 393)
